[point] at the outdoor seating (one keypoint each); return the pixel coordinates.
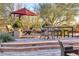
(66, 33)
(68, 50)
(27, 32)
(58, 33)
(10, 29)
(44, 34)
(47, 28)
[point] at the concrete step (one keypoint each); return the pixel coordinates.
(72, 54)
(32, 48)
(17, 44)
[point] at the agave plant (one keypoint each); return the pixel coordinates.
(5, 37)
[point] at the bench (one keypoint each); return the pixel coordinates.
(70, 51)
(67, 49)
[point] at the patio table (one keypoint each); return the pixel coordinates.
(56, 30)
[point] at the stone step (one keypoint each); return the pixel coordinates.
(32, 48)
(72, 54)
(17, 44)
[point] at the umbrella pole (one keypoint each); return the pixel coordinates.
(14, 16)
(19, 17)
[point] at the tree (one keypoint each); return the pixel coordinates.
(55, 14)
(5, 9)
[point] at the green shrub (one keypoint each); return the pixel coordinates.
(17, 24)
(5, 37)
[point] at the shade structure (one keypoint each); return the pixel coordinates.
(23, 11)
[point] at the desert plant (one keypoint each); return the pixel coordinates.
(5, 37)
(17, 24)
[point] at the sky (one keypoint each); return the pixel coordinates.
(29, 6)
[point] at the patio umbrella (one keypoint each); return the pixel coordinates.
(22, 12)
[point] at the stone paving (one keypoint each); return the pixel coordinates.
(46, 52)
(38, 39)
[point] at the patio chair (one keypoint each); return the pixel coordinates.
(27, 31)
(44, 33)
(66, 33)
(9, 29)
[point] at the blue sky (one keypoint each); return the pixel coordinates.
(30, 6)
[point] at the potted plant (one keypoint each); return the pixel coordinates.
(17, 29)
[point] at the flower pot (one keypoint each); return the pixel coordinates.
(17, 33)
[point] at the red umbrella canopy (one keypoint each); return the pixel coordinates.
(24, 11)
